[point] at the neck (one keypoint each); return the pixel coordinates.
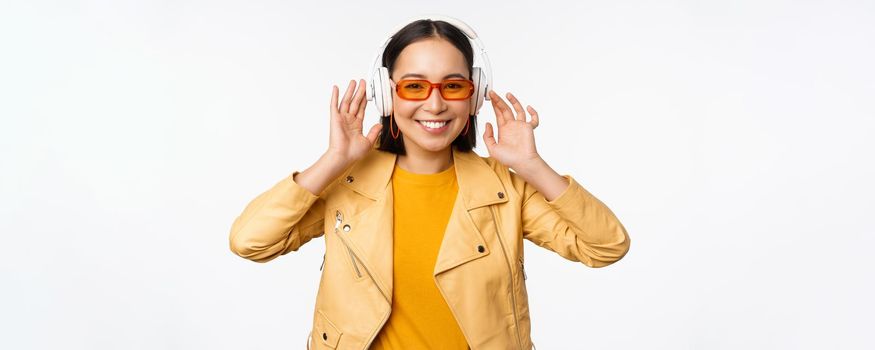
(421, 161)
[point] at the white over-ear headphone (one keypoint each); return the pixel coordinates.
(379, 89)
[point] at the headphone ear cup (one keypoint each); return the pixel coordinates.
(382, 91)
(479, 79)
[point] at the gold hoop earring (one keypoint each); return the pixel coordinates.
(394, 136)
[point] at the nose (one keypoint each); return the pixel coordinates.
(435, 102)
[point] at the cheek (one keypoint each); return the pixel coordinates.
(460, 110)
(404, 109)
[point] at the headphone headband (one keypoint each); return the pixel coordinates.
(469, 32)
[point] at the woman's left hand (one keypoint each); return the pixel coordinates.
(517, 146)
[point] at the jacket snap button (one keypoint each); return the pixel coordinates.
(346, 228)
(324, 336)
(480, 248)
(500, 194)
(349, 179)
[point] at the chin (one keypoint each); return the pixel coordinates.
(433, 145)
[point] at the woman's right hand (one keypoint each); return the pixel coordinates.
(346, 143)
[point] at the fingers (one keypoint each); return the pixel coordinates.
(504, 114)
(344, 104)
(535, 121)
(364, 101)
(374, 132)
(336, 120)
(357, 107)
(500, 118)
(333, 107)
(520, 113)
(488, 137)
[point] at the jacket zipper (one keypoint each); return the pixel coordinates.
(354, 265)
(510, 271)
(337, 221)
(523, 269)
(352, 255)
(355, 258)
(339, 218)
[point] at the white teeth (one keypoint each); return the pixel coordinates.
(433, 125)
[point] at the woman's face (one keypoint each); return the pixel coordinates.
(432, 59)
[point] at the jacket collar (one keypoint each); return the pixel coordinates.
(478, 183)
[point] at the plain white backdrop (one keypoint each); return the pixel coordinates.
(733, 139)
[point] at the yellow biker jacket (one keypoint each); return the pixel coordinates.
(480, 265)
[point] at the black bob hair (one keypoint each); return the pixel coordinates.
(413, 32)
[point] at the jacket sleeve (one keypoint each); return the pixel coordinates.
(575, 225)
(278, 221)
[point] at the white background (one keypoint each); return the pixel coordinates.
(733, 139)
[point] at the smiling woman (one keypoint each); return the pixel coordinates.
(421, 122)
(423, 236)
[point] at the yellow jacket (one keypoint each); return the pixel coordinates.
(480, 265)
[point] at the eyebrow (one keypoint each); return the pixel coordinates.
(417, 75)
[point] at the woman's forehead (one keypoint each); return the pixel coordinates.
(431, 59)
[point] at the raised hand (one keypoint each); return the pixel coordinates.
(346, 143)
(516, 145)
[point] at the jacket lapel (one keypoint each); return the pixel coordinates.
(478, 186)
(371, 177)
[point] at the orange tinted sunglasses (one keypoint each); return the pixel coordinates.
(420, 89)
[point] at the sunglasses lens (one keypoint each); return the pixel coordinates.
(457, 89)
(413, 89)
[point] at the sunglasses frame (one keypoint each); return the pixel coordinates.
(433, 86)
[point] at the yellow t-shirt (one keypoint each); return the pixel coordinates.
(420, 317)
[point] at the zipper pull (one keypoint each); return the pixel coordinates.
(338, 219)
(523, 268)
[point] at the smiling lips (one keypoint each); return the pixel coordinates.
(434, 127)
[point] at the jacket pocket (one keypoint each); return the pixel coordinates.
(325, 332)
